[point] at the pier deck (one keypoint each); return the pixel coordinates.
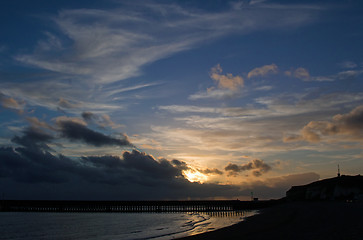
(131, 206)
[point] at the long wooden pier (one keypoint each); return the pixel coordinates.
(131, 206)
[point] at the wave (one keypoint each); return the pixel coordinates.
(96, 226)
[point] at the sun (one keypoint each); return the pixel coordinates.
(195, 176)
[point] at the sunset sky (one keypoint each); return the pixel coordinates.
(129, 100)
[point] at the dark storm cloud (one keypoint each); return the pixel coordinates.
(76, 131)
(88, 116)
(33, 138)
(257, 165)
(111, 162)
(32, 165)
(136, 167)
(33, 162)
(232, 167)
(181, 165)
(146, 164)
(32, 172)
(209, 171)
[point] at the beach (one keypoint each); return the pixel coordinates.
(297, 220)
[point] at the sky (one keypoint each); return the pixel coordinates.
(164, 100)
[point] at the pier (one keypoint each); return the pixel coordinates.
(131, 206)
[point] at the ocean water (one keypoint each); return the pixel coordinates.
(111, 226)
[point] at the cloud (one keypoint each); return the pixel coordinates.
(346, 75)
(222, 130)
(33, 138)
(150, 166)
(348, 64)
(88, 116)
(303, 74)
(228, 86)
(209, 171)
(100, 47)
(136, 167)
(224, 111)
(32, 172)
(114, 44)
(292, 179)
(34, 163)
(259, 167)
(63, 103)
(188, 108)
(341, 76)
(349, 124)
(11, 103)
(214, 93)
(181, 165)
(300, 73)
(109, 45)
(31, 166)
(263, 71)
(103, 121)
(36, 123)
(227, 81)
(76, 131)
(276, 187)
(264, 88)
(59, 120)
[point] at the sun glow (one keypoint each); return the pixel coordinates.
(195, 176)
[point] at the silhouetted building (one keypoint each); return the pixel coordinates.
(338, 188)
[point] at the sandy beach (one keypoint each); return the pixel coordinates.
(297, 220)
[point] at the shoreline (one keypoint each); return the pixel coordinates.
(210, 222)
(296, 220)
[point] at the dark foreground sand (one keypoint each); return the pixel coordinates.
(303, 220)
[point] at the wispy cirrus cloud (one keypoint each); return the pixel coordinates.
(348, 64)
(101, 120)
(92, 49)
(281, 105)
(11, 103)
(304, 74)
(256, 129)
(111, 45)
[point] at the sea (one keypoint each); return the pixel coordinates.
(112, 226)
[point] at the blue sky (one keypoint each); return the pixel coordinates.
(178, 99)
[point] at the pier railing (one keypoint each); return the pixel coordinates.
(131, 206)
